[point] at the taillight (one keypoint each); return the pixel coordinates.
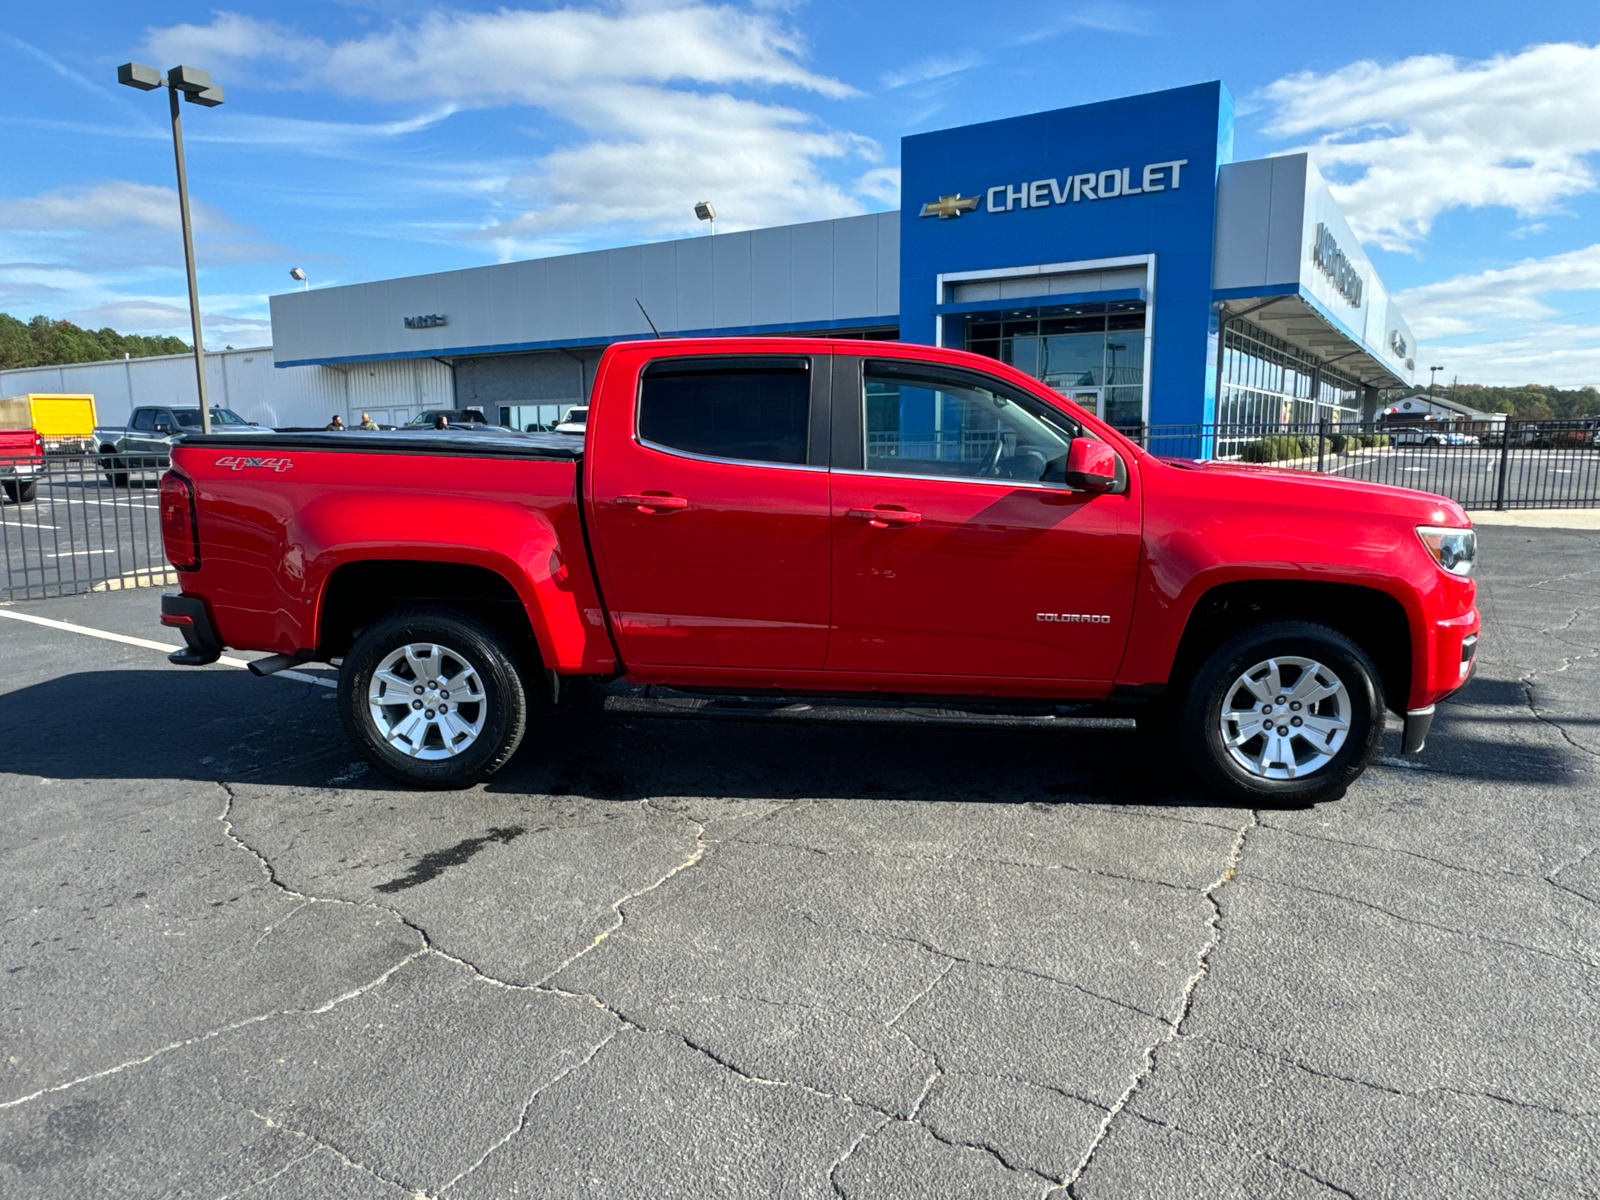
(38, 443)
(179, 534)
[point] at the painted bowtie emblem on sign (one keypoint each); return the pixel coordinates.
(235, 462)
(946, 207)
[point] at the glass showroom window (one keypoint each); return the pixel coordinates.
(1075, 348)
(1268, 381)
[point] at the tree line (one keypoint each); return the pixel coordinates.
(42, 342)
(1528, 401)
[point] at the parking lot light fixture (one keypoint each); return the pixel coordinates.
(196, 87)
(298, 274)
(706, 211)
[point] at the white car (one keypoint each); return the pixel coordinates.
(1413, 436)
(574, 420)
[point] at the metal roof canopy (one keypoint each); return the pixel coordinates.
(1299, 322)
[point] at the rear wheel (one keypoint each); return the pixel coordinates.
(1289, 713)
(433, 698)
(116, 470)
(20, 492)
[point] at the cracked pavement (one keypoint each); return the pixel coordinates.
(672, 958)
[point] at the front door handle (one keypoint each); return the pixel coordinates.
(882, 518)
(648, 504)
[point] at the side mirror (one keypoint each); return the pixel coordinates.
(163, 427)
(1092, 466)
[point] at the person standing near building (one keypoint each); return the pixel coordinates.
(367, 422)
(336, 423)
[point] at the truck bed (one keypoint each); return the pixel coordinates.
(563, 447)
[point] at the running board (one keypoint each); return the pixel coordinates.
(786, 710)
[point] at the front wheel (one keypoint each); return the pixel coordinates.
(433, 698)
(1289, 713)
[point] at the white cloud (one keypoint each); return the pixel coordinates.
(1466, 304)
(1097, 18)
(648, 88)
(1407, 141)
(1562, 355)
(109, 205)
(118, 224)
(937, 67)
(156, 316)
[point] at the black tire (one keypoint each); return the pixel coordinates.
(1199, 718)
(462, 640)
(19, 492)
(116, 471)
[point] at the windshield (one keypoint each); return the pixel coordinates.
(190, 417)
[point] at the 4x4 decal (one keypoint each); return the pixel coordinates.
(238, 462)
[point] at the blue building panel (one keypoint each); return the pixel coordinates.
(1126, 177)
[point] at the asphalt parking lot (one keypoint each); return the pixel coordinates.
(663, 959)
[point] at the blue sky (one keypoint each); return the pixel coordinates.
(366, 139)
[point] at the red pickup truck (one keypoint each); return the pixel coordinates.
(21, 464)
(805, 517)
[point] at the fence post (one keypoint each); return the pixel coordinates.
(1505, 464)
(1322, 439)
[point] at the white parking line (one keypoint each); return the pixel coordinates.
(146, 643)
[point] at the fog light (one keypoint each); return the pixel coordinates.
(1469, 647)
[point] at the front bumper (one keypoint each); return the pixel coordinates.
(188, 615)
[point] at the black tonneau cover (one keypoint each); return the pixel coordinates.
(475, 443)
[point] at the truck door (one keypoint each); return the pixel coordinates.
(708, 483)
(953, 552)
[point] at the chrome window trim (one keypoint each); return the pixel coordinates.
(674, 452)
(1010, 483)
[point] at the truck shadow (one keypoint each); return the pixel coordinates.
(222, 726)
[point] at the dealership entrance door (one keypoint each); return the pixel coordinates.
(1092, 353)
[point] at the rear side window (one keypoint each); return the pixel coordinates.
(752, 409)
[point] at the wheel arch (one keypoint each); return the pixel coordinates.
(1373, 619)
(358, 593)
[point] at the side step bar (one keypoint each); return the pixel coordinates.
(788, 710)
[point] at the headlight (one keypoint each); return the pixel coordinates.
(1453, 549)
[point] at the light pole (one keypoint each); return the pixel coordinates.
(298, 274)
(196, 87)
(706, 212)
(1433, 373)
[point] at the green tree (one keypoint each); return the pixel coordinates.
(46, 343)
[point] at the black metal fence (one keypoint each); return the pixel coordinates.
(77, 523)
(1542, 464)
(82, 523)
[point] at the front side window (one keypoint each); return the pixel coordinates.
(748, 409)
(144, 418)
(923, 420)
(189, 418)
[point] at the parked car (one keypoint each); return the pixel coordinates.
(818, 518)
(145, 442)
(1415, 435)
(574, 420)
(21, 464)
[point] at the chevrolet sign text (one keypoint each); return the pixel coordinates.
(1092, 185)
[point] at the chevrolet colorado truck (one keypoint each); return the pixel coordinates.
(825, 518)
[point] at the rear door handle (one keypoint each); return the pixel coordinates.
(882, 518)
(652, 503)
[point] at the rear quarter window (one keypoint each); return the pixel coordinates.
(748, 410)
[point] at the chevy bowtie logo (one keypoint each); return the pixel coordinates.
(950, 206)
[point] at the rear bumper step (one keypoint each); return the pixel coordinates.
(188, 615)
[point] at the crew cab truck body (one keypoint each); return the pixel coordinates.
(791, 517)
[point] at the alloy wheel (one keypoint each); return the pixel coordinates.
(1285, 718)
(427, 701)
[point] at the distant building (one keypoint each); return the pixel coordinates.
(1419, 408)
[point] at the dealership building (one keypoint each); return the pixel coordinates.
(1114, 250)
